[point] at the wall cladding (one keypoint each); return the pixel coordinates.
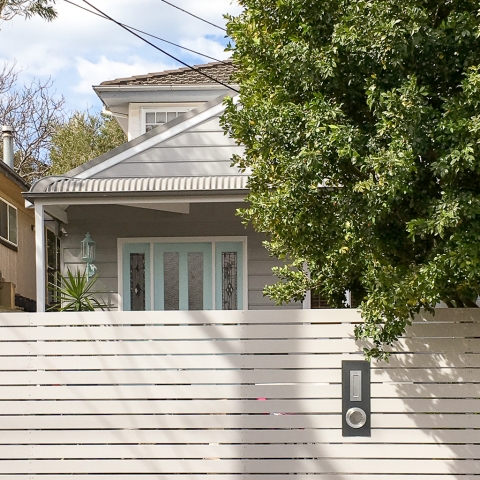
(237, 395)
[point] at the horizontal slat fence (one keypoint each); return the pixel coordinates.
(234, 396)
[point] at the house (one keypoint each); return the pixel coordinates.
(17, 240)
(162, 207)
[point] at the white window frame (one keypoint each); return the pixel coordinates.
(181, 108)
(8, 222)
(153, 240)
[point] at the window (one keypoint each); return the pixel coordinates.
(53, 268)
(153, 117)
(8, 223)
(178, 274)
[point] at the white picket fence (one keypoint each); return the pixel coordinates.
(175, 396)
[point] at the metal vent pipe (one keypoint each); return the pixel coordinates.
(7, 134)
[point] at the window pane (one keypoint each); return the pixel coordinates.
(195, 281)
(150, 117)
(171, 116)
(3, 220)
(137, 281)
(12, 225)
(171, 281)
(317, 301)
(161, 117)
(51, 250)
(229, 280)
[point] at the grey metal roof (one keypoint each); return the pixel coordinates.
(140, 185)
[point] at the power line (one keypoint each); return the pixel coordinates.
(193, 15)
(146, 33)
(160, 49)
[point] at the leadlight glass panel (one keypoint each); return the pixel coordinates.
(171, 280)
(137, 281)
(195, 281)
(229, 280)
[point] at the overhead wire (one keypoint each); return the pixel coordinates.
(161, 49)
(193, 15)
(146, 33)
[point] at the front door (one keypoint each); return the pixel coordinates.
(183, 275)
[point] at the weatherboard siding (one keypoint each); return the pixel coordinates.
(109, 222)
(201, 150)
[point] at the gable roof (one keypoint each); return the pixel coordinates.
(221, 71)
(110, 173)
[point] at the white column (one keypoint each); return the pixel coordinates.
(40, 255)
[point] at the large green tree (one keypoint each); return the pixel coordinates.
(83, 137)
(361, 126)
(27, 9)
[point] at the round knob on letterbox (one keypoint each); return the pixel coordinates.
(356, 417)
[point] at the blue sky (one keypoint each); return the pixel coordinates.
(78, 49)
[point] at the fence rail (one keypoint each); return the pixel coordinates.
(252, 395)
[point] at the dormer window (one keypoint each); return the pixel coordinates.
(153, 117)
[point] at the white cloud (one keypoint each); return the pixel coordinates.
(79, 49)
(206, 46)
(93, 73)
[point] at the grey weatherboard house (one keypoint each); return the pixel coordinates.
(161, 207)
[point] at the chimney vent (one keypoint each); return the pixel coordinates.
(7, 134)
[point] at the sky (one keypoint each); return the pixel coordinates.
(79, 49)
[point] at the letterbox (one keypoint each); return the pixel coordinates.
(356, 398)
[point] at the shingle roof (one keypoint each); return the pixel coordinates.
(221, 71)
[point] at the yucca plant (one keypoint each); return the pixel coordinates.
(77, 293)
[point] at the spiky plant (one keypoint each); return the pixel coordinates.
(77, 293)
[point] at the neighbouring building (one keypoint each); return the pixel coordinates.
(17, 244)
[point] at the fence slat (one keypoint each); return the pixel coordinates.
(176, 394)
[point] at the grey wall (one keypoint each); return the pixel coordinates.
(202, 150)
(106, 223)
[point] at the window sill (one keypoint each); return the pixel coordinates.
(9, 245)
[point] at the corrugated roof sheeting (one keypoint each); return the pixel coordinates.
(162, 184)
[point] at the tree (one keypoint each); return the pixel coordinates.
(27, 9)
(34, 111)
(361, 126)
(83, 137)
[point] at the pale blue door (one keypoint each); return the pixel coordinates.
(183, 276)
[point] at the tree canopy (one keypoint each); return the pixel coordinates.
(27, 9)
(83, 137)
(361, 126)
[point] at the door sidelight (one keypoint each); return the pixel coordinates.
(356, 398)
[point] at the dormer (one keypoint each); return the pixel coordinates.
(143, 102)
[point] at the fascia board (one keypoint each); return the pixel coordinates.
(194, 197)
(193, 118)
(141, 88)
